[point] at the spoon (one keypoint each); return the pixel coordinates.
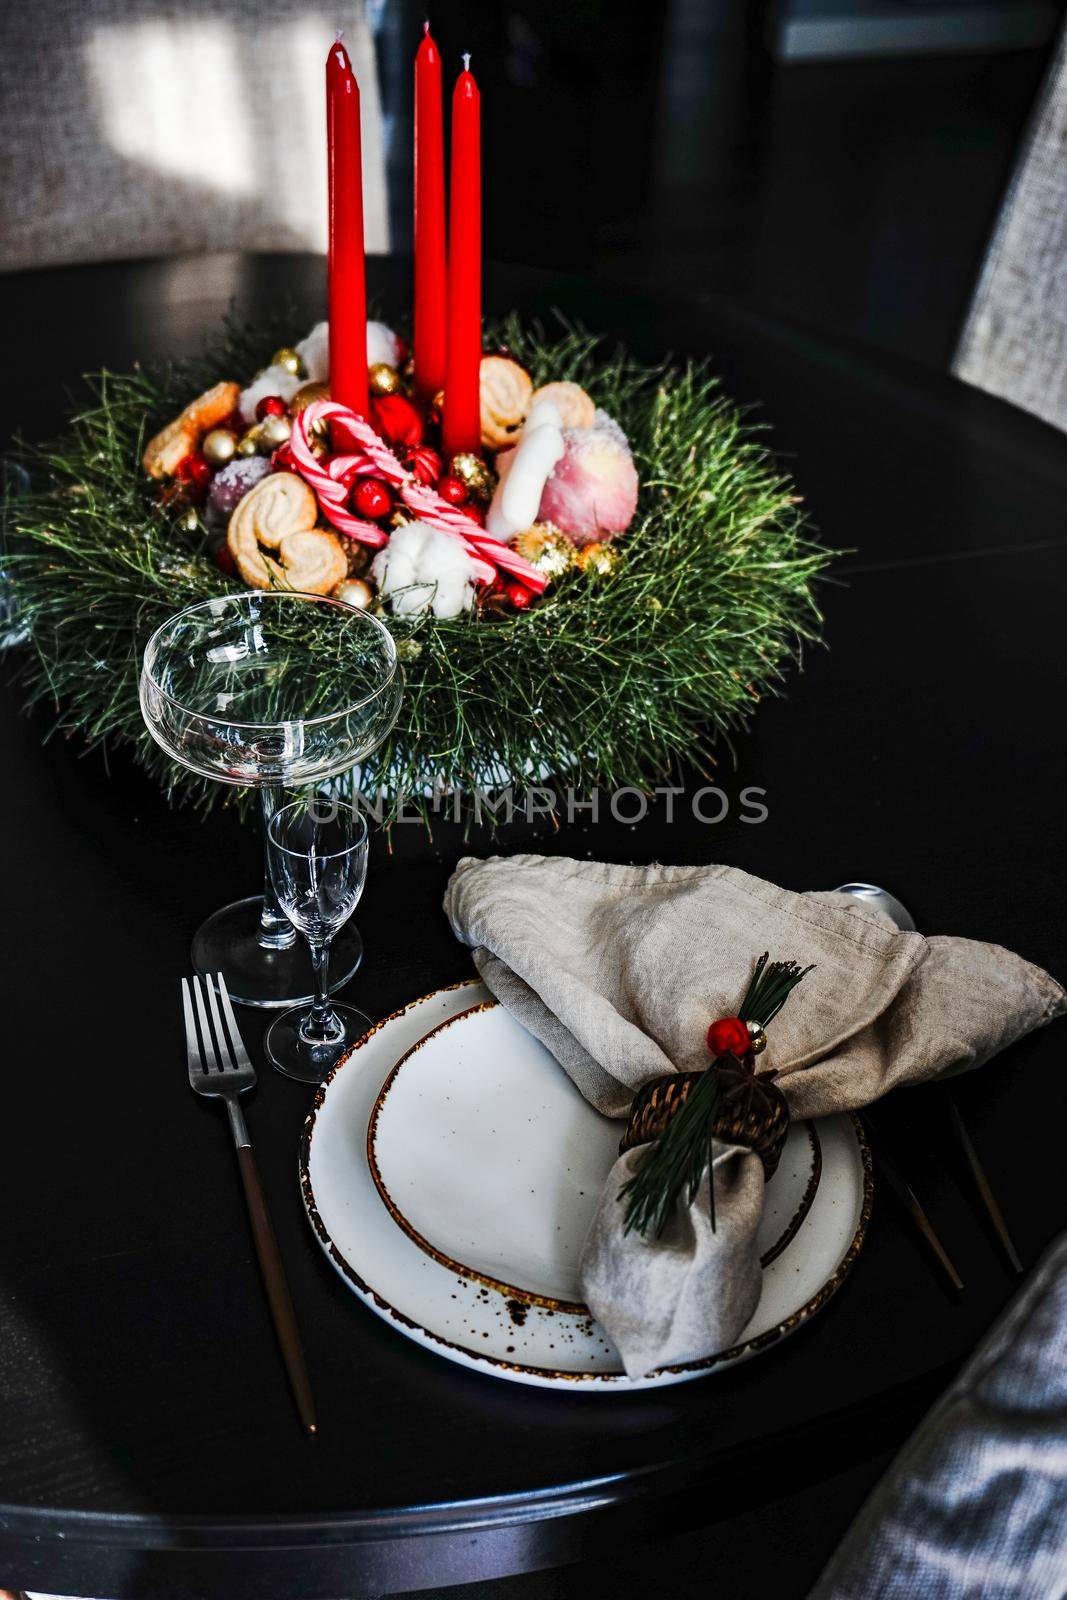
(870, 894)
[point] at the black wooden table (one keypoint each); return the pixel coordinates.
(147, 1441)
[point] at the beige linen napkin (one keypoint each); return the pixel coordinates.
(618, 971)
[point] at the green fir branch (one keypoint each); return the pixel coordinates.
(611, 681)
(672, 1167)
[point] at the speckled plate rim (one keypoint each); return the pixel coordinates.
(513, 1291)
(596, 1382)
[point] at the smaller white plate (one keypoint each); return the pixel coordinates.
(450, 1170)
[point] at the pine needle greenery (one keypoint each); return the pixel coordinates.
(672, 1167)
(607, 681)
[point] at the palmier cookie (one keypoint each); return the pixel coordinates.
(505, 399)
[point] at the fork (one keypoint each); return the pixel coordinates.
(220, 1069)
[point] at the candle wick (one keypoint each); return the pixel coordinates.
(426, 26)
(340, 39)
(467, 62)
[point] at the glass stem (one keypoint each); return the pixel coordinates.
(276, 932)
(315, 1027)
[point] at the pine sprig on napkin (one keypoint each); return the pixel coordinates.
(674, 1165)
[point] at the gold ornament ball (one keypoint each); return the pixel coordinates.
(383, 378)
(248, 443)
(189, 521)
(601, 560)
(757, 1041)
(274, 432)
(354, 592)
(218, 446)
(288, 359)
(474, 474)
(545, 548)
(306, 395)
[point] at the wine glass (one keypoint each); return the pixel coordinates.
(317, 853)
(235, 689)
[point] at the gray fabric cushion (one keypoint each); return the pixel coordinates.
(1015, 339)
(975, 1508)
(129, 128)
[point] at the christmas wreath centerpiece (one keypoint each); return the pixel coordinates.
(615, 578)
(591, 567)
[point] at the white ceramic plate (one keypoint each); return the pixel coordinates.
(450, 1168)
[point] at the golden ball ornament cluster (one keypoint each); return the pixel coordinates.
(383, 379)
(597, 560)
(219, 446)
(355, 592)
(545, 548)
(474, 474)
(306, 395)
(289, 360)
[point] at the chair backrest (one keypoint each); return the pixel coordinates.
(143, 128)
(1014, 342)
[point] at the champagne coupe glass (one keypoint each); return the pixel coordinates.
(317, 852)
(233, 688)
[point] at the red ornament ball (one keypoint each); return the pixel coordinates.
(519, 596)
(476, 514)
(196, 474)
(224, 560)
(396, 419)
(424, 464)
(452, 491)
(371, 499)
(271, 405)
(728, 1036)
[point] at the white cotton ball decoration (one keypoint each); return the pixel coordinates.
(423, 568)
(524, 471)
(382, 345)
(273, 380)
(314, 351)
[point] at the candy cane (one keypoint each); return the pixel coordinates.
(332, 485)
(432, 508)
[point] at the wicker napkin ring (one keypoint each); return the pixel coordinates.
(752, 1112)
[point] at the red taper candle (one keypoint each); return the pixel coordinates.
(461, 424)
(346, 271)
(430, 273)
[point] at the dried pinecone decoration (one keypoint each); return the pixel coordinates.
(680, 1114)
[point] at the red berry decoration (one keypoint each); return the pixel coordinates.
(271, 405)
(476, 514)
(371, 499)
(519, 596)
(224, 560)
(729, 1036)
(396, 419)
(452, 491)
(424, 463)
(196, 474)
